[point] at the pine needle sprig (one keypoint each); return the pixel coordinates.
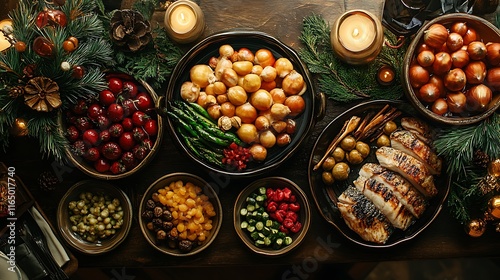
(46, 129)
(86, 88)
(77, 8)
(146, 7)
(465, 197)
(458, 144)
(154, 64)
(86, 26)
(93, 52)
(340, 81)
(23, 20)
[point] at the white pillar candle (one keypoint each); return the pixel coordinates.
(182, 19)
(357, 32)
(357, 36)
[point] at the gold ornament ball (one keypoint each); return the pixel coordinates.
(19, 127)
(494, 167)
(475, 227)
(494, 207)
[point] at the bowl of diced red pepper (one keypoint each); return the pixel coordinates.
(272, 216)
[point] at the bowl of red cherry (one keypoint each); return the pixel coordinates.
(116, 133)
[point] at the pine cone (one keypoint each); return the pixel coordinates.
(130, 30)
(47, 181)
(481, 159)
(16, 91)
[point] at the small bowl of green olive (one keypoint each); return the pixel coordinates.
(94, 217)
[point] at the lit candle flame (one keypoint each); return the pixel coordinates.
(355, 32)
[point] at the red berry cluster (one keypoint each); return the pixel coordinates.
(282, 206)
(236, 156)
(116, 131)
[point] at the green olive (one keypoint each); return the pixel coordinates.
(383, 140)
(354, 157)
(327, 177)
(338, 154)
(341, 171)
(389, 127)
(363, 148)
(328, 163)
(348, 143)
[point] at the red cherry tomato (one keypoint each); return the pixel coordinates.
(130, 89)
(144, 101)
(151, 127)
(115, 85)
(139, 118)
(90, 137)
(115, 112)
(126, 141)
(101, 165)
(127, 124)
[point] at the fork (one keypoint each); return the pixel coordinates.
(37, 235)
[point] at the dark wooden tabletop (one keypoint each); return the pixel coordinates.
(444, 238)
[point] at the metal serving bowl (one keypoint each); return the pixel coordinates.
(487, 33)
(253, 40)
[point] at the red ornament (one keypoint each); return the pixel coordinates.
(43, 47)
(51, 18)
(78, 72)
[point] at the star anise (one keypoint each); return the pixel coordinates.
(42, 94)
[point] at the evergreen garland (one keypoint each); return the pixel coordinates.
(343, 82)
(93, 54)
(457, 146)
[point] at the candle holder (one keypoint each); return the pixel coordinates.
(184, 21)
(357, 36)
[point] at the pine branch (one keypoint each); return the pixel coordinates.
(23, 20)
(465, 198)
(77, 8)
(94, 52)
(340, 81)
(86, 88)
(458, 144)
(146, 7)
(46, 129)
(154, 64)
(86, 26)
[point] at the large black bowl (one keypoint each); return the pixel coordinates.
(253, 40)
(323, 194)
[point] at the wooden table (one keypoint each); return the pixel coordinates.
(444, 238)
